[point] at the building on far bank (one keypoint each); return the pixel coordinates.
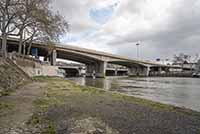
(197, 68)
(190, 66)
(164, 61)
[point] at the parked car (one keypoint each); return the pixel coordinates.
(196, 75)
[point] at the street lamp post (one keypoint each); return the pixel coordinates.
(137, 45)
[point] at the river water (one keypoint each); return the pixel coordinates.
(182, 92)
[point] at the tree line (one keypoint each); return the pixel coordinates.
(28, 21)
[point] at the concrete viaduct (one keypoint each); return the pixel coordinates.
(95, 61)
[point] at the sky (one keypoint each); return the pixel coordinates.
(163, 28)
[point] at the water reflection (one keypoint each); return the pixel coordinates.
(183, 92)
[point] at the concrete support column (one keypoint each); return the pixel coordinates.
(98, 69)
(147, 71)
(89, 70)
(139, 71)
(116, 72)
(132, 72)
(53, 57)
(160, 70)
(101, 69)
(79, 72)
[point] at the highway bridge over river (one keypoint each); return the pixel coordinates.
(95, 61)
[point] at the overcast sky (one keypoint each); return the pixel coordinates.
(162, 27)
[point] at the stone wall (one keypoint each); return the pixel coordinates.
(36, 68)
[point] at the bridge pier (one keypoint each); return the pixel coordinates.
(148, 71)
(139, 71)
(116, 72)
(98, 69)
(132, 72)
(160, 70)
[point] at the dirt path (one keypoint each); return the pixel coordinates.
(18, 107)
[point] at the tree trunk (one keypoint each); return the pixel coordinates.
(20, 43)
(30, 43)
(24, 49)
(4, 38)
(4, 45)
(29, 47)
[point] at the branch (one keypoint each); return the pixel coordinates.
(13, 34)
(1, 7)
(9, 21)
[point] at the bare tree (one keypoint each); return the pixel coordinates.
(8, 13)
(30, 20)
(27, 20)
(40, 23)
(182, 59)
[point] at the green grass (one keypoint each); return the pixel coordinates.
(4, 92)
(58, 90)
(38, 119)
(49, 130)
(4, 106)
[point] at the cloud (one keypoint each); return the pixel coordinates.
(76, 13)
(103, 14)
(164, 28)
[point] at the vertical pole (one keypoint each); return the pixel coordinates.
(138, 51)
(53, 58)
(137, 45)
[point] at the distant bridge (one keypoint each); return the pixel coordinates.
(95, 61)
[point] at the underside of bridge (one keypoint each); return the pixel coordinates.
(116, 72)
(71, 72)
(135, 69)
(95, 64)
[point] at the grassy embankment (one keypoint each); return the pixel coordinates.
(11, 77)
(64, 102)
